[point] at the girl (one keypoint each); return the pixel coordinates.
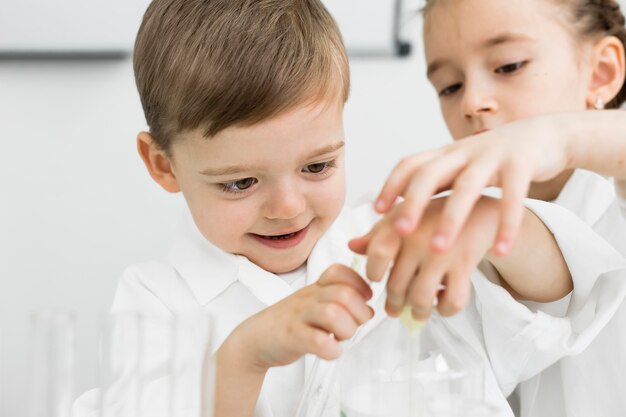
(529, 59)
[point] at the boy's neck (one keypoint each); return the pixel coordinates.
(549, 190)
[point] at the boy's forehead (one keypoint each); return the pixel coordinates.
(301, 134)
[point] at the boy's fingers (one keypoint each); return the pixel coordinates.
(456, 294)
(341, 274)
(398, 180)
(332, 318)
(514, 189)
(381, 252)
(403, 271)
(348, 298)
(320, 343)
(466, 191)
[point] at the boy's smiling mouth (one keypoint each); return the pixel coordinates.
(282, 241)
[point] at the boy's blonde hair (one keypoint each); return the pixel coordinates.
(592, 18)
(211, 64)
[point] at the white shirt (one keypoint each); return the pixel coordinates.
(592, 382)
(516, 343)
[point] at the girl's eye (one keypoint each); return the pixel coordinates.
(239, 185)
(319, 168)
(450, 90)
(511, 68)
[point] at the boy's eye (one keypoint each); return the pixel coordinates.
(450, 90)
(511, 68)
(239, 185)
(319, 167)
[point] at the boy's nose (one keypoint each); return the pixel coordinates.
(285, 202)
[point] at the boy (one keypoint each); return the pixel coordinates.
(244, 101)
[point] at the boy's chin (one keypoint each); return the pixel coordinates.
(282, 267)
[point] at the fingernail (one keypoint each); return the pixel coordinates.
(403, 224)
(502, 247)
(379, 205)
(420, 313)
(440, 241)
(391, 310)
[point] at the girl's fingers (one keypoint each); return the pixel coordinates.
(427, 181)
(398, 180)
(454, 297)
(349, 299)
(381, 252)
(515, 185)
(359, 245)
(465, 192)
(403, 271)
(341, 274)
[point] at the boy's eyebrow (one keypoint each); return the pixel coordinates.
(326, 149)
(235, 169)
(489, 43)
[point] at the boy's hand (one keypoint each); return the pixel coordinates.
(510, 157)
(312, 320)
(417, 273)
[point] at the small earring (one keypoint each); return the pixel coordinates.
(599, 103)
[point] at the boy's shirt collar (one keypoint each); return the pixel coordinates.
(209, 270)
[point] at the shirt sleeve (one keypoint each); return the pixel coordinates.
(524, 339)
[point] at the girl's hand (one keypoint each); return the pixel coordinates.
(312, 320)
(417, 275)
(510, 157)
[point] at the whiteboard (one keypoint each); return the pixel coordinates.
(108, 27)
(369, 27)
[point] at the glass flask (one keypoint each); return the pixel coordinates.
(401, 366)
(52, 364)
(157, 366)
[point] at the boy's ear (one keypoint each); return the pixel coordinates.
(607, 77)
(158, 163)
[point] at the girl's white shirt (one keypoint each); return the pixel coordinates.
(519, 343)
(593, 381)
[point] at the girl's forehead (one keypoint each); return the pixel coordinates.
(475, 21)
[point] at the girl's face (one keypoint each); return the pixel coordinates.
(493, 62)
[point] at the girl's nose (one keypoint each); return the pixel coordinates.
(478, 101)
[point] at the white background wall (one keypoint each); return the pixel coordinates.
(77, 206)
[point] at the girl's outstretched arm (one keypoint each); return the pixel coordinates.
(511, 157)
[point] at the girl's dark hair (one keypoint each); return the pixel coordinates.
(595, 18)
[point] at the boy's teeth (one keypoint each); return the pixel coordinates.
(280, 237)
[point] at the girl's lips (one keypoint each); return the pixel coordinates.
(282, 242)
(478, 132)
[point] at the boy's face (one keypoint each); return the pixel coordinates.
(494, 61)
(266, 191)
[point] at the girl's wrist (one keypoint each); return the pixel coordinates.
(576, 139)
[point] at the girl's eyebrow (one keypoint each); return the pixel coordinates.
(505, 37)
(499, 39)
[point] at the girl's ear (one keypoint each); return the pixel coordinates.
(608, 71)
(158, 163)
